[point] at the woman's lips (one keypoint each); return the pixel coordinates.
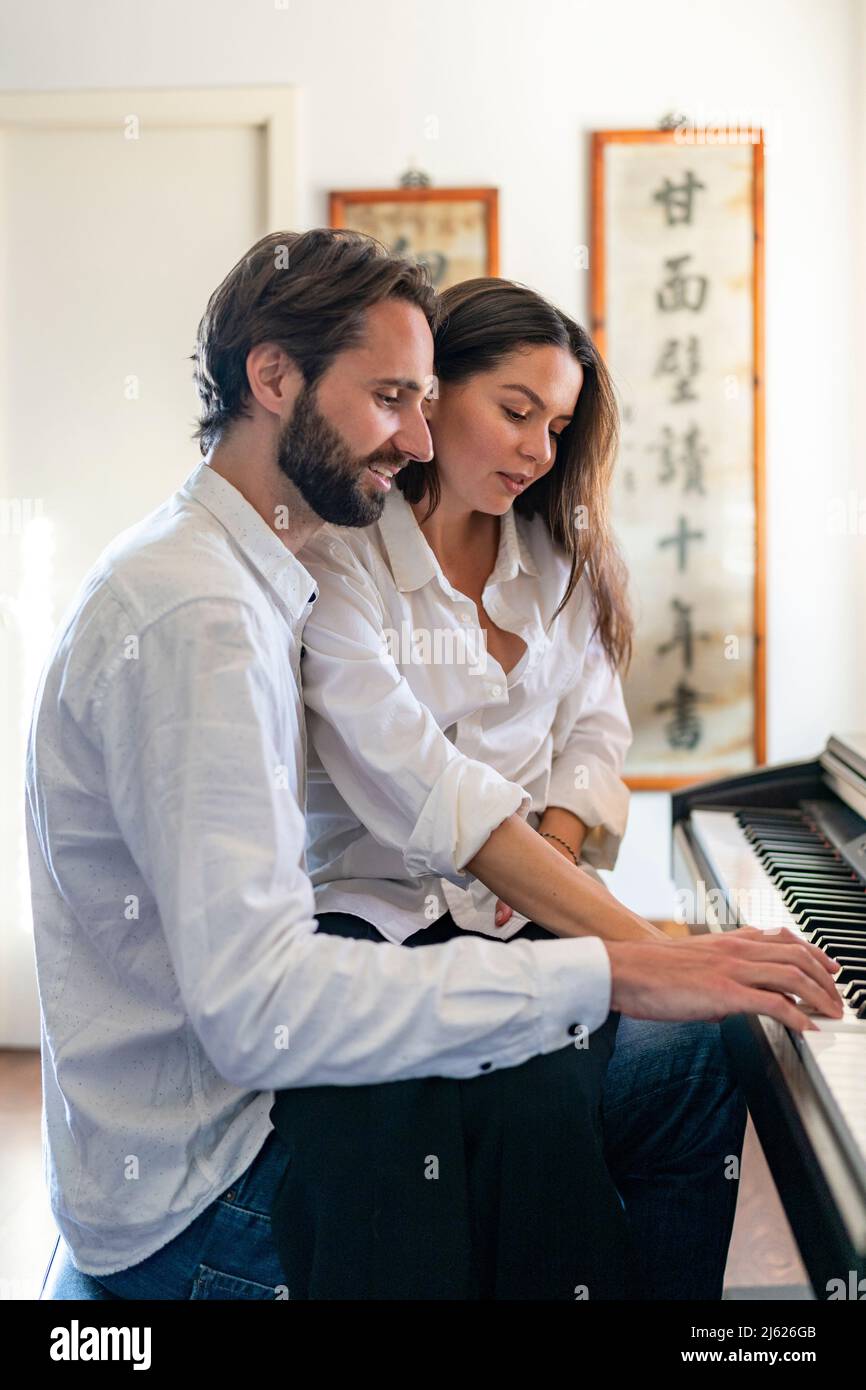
(511, 485)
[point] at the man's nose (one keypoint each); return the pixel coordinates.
(413, 437)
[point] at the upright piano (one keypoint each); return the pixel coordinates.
(786, 846)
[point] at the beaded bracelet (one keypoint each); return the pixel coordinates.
(546, 835)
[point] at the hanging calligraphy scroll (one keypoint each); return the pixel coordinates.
(677, 311)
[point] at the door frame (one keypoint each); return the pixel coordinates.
(273, 110)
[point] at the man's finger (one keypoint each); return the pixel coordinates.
(778, 1006)
(789, 979)
(785, 935)
(796, 954)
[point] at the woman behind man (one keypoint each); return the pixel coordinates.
(507, 604)
(466, 719)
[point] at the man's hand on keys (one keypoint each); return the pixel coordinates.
(747, 970)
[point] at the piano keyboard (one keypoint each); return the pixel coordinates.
(776, 869)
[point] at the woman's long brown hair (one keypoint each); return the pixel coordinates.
(481, 322)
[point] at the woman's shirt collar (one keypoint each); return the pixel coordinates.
(413, 562)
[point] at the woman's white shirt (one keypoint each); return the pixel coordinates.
(420, 744)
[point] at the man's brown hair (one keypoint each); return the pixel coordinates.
(306, 291)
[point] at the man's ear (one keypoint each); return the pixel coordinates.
(274, 378)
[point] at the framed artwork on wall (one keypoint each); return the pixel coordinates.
(454, 231)
(677, 287)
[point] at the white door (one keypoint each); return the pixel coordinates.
(119, 213)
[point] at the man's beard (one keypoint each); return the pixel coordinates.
(315, 456)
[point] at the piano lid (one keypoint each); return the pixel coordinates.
(850, 749)
(844, 763)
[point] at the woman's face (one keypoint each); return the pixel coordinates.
(495, 434)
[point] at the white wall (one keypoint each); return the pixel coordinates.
(515, 87)
(859, 300)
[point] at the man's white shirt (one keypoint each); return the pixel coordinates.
(180, 973)
(420, 744)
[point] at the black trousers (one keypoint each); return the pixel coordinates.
(493, 1187)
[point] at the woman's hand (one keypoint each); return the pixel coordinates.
(503, 913)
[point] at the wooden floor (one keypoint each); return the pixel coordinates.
(27, 1230)
(762, 1256)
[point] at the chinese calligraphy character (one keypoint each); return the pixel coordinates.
(681, 291)
(670, 364)
(692, 457)
(684, 729)
(678, 200)
(683, 636)
(680, 540)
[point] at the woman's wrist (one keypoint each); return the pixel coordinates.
(567, 828)
(561, 845)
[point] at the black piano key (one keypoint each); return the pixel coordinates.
(831, 869)
(789, 843)
(793, 848)
(821, 887)
(794, 862)
(831, 921)
(833, 940)
(825, 897)
(804, 868)
(830, 949)
(800, 868)
(834, 920)
(847, 891)
(816, 899)
(849, 974)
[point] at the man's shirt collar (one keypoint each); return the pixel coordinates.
(277, 565)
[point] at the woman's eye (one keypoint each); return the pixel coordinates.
(515, 415)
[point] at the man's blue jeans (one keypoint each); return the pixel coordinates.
(227, 1251)
(674, 1120)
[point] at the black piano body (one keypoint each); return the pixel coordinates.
(807, 1099)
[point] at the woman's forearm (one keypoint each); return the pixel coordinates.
(525, 871)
